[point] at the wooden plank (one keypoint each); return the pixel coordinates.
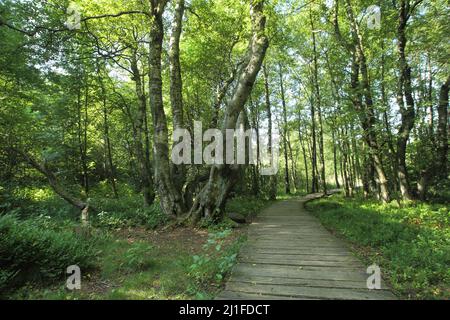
(325, 269)
(296, 245)
(284, 232)
(304, 249)
(287, 227)
(290, 236)
(293, 244)
(277, 218)
(233, 295)
(307, 272)
(295, 232)
(288, 256)
(298, 262)
(304, 282)
(286, 215)
(275, 227)
(298, 241)
(299, 250)
(310, 292)
(284, 224)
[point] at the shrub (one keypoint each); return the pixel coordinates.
(127, 258)
(116, 213)
(31, 252)
(246, 205)
(215, 262)
(151, 217)
(137, 258)
(33, 201)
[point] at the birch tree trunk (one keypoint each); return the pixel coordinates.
(108, 153)
(305, 157)
(336, 179)
(139, 131)
(285, 133)
(178, 172)
(318, 106)
(404, 90)
(272, 179)
(361, 88)
(171, 199)
(442, 131)
(82, 142)
(211, 201)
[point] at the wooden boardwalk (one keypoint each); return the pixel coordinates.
(290, 255)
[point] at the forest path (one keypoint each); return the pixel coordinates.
(290, 255)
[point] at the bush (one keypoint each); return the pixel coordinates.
(124, 257)
(31, 252)
(137, 258)
(5, 278)
(246, 205)
(34, 201)
(216, 261)
(440, 192)
(118, 213)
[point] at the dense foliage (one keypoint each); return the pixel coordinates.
(353, 95)
(32, 251)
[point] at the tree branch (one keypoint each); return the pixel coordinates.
(36, 29)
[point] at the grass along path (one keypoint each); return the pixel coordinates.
(411, 244)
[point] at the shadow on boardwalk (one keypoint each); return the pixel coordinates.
(290, 255)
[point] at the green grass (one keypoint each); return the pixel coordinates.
(410, 243)
(246, 205)
(294, 195)
(210, 268)
(159, 273)
(31, 250)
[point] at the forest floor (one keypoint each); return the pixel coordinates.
(138, 262)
